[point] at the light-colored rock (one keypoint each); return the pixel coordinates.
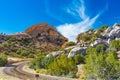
(112, 32)
(118, 55)
(54, 54)
(109, 40)
(106, 33)
(99, 41)
(68, 48)
(77, 50)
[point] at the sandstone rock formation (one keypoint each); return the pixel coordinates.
(47, 35)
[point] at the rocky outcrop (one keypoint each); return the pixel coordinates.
(47, 35)
(112, 33)
(54, 54)
(42, 29)
(68, 48)
(118, 55)
(100, 36)
(20, 35)
(58, 53)
(99, 41)
(77, 50)
(105, 37)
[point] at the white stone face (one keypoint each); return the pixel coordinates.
(77, 50)
(57, 53)
(112, 32)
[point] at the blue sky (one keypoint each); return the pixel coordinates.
(70, 17)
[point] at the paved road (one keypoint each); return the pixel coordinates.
(16, 70)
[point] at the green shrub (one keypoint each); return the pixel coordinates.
(3, 60)
(101, 66)
(71, 43)
(30, 56)
(63, 66)
(115, 44)
(79, 59)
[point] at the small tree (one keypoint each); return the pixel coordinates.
(79, 59)
(102, 65)
(115, 44)
(63, 66)
(3, 60)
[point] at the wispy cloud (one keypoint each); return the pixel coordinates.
(81, 10)
(72, 30)
(77, 8)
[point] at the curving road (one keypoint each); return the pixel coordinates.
(16, 70)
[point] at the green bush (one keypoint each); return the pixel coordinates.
(3, 60)
(85, 37)
(71, 43)
(47, 61)
(101, 48)
(30, 56)
(102, 66)
(62, 66)
(115, 44)
(79, 59)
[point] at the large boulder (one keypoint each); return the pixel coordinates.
(77, 50)
(68, 48)
(115, 33)
(54, 54)
(99, 41)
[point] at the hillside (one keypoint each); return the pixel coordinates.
(95, 56)
(92, 38)
(39, 37)
(46, 35)
(95, 53)
(103, 35)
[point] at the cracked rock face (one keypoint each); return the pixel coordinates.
(112, 32)
(99, 41)
(115, 33)
(77, 50)
(54, 54)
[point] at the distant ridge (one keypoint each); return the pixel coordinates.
(40, 36)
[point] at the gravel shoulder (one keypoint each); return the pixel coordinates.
(4, 76)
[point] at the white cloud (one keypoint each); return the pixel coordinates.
(72, 30)
(81, 10)
(77, 8)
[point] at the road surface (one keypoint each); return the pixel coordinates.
(16, 70)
